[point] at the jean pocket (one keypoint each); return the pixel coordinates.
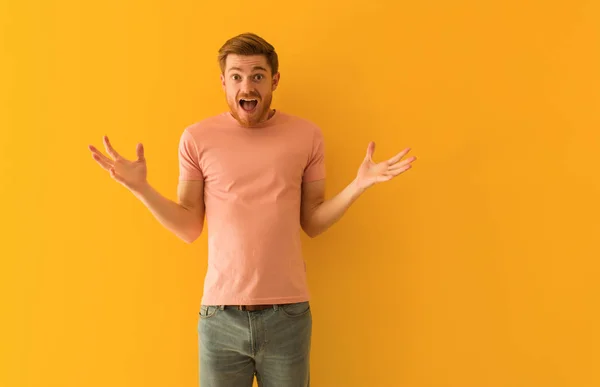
(296, 310)
(207, 311)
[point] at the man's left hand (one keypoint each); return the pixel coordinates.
(371, 173)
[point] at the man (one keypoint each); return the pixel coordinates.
(259, 175)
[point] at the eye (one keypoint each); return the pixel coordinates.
(258, 77)
(235, 77)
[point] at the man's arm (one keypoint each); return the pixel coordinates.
(318, 214)
(185, 218)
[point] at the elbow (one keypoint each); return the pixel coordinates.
(190, 237)
(310, 221)
(310, 231)
(312, 234)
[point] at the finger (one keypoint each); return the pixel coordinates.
(370, 151)
(114, 175)
(100, 158)
(140, 152)
(398, 171)
(397, 158)
(98, 153)
(109, 149)
(383, 178)
(103, 161)
(403, 163)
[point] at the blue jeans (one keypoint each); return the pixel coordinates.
(273, 344)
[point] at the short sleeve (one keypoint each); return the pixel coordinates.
(315, 169)
(189, 158)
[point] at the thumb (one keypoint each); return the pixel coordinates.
(140, 152)
(370, 151)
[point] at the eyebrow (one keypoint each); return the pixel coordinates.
(253, 69)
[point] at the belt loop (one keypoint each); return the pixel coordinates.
(222, 307)
(276, 307)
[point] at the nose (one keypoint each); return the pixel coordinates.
(246, 87)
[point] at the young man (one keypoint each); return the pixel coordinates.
(259, 176)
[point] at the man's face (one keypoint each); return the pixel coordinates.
(249, 85)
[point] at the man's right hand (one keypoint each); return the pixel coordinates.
(132, 174)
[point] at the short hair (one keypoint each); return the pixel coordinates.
(249, 44)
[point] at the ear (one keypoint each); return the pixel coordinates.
(223, 82)
(275, 81)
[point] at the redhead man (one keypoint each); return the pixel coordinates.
(258, 177)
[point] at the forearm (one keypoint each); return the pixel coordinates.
(330, 211)
(184, 223)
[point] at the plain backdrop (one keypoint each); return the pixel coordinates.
(476, 268)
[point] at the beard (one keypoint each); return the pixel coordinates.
(259, 114)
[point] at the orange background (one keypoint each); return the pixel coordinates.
(477, 268)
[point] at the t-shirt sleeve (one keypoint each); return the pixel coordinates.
(315, 169)
(189, 158)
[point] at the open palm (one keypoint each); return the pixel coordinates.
(132, 174)
(370, 173)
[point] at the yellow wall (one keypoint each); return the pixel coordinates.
(477, 268)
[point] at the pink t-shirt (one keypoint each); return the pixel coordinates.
(252, 191)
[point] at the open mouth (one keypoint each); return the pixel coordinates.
(248, 104)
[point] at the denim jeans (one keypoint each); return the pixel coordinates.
(273, 344)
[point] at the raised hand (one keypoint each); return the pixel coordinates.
(132, 174)
(371, 173)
